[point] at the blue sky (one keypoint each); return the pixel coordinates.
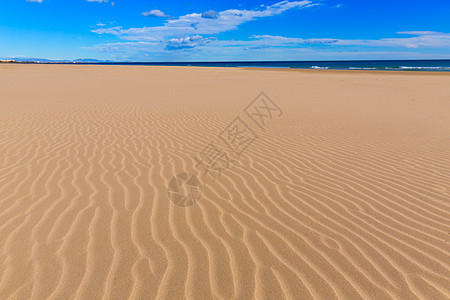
(199, 30)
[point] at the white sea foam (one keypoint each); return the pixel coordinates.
(424, 68)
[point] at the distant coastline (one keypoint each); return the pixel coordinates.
(441, 65)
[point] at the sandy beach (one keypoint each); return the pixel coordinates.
(137, 182)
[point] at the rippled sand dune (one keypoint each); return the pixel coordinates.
(343, 193)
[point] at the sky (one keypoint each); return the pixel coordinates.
(232, 30)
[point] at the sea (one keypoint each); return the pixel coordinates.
(375, 65)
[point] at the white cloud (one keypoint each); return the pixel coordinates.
(98, 1)
(195, 24)
(154, 13)
(38, 1)
(194, 33)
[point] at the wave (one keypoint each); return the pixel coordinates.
(319, 68)
(361, 68)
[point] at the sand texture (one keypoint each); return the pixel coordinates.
(342, 193)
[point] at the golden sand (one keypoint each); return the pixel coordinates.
(345, 194)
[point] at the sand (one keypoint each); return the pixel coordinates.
(343, 192)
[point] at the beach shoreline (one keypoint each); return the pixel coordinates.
(264, 68)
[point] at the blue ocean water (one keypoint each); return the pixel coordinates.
(382, 65)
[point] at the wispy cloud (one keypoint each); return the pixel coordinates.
(419, 39)
(280, 40)
(277, 47)
(37, 1)
(197, 24)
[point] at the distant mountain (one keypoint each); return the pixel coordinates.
(43, 60)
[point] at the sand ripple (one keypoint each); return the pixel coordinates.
(344, 196)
